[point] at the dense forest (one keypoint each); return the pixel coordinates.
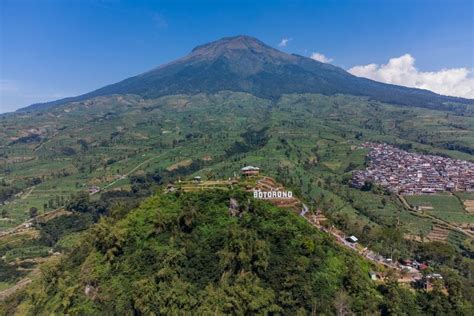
(186, 253)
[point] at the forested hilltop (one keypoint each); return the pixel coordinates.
(186, 253)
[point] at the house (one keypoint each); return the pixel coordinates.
(93, 190)
(197, 179)
(427, 281)
(170, 188)
(419, 265)
(250, 171)
(352, 239)
(373, 275)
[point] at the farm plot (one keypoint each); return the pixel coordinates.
(445, 207)
(467, 199)
(438, 233)
(469, 205)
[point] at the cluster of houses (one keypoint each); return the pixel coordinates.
(411, 265)
(414, 273)
(422, 280)
(410, 173)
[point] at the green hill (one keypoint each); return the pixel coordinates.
(183, 253)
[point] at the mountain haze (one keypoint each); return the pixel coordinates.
(245, 64)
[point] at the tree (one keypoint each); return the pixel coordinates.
(342, 303)
(367, 186)
(33, 212)
(439, 252)
(188, 217)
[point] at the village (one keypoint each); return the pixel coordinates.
(408, 173)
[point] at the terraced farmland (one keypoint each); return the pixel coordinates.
(446, 207)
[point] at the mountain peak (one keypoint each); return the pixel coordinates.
(235, 46)
(232, 42)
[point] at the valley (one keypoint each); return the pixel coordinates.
(106, 152)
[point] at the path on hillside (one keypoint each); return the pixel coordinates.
(339, 235)
(128, 173)
(9, 291)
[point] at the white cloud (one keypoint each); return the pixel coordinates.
(320, 57)
(284, 42)
(402, 71)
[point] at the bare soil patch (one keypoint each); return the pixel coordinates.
(469, 205)
(183, 163)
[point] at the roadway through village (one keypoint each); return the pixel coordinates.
(368, 254)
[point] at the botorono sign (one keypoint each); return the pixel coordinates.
(258, 194)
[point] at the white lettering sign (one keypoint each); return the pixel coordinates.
(263, 195)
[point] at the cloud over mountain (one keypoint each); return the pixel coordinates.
(402, 71)
(321, 57)
(284, 42)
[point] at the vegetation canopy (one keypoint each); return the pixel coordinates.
(184, 252)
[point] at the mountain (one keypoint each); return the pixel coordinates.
(245, 64)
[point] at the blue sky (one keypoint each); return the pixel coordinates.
(51, 49)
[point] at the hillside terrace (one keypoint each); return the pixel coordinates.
(409, 173)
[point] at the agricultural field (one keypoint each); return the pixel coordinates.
(467, 198)
(309, 142)
(446, 207)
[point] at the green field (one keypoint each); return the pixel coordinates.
(308, 141)
(445, 207)
(465, 195)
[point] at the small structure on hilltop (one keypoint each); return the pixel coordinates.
(94, 189)
(197, 179)
(353, 239)
(250, 171)
(427, 281)
(375, 276)
(170, 188)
